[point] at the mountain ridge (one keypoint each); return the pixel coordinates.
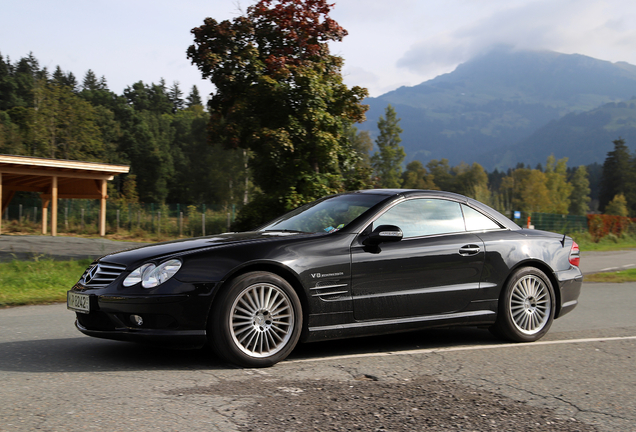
(497, 101)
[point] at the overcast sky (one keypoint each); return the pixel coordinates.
(391, 43)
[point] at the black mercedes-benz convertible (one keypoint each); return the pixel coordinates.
(352, 264)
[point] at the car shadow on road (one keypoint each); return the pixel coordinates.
(410, 341)
(83, 354)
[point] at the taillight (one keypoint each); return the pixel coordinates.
(575, 254)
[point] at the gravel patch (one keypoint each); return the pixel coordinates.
(367, 404)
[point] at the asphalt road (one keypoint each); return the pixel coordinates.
(24, 247)
(55, 379)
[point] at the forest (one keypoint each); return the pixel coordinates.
(162, 134)
(156, 129)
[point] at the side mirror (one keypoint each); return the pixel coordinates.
(383, 234)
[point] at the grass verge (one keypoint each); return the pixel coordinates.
(607, 243)
(38, 282)
(628, 275)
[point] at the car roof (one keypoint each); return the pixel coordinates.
(411, 192)
(406, 193)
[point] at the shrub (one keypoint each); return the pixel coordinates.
(603, 225)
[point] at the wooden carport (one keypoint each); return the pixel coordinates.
(55, 179)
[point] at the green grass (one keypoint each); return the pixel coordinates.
(614, 277)
(38, 282)
(607, 243)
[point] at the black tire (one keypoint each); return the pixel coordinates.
(526, 306)
(256, 321)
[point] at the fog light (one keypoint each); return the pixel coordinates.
(137, 319)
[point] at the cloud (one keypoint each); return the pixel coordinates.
(582, 26)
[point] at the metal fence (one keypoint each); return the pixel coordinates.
(82, 216)
(553, 222)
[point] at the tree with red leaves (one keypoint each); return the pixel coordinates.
(279, 93)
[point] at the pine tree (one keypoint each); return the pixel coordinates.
(387, 161)
(90, 81)
(616, 173)
(193, 98)
(176, 97)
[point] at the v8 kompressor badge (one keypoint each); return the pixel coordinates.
(324, 275)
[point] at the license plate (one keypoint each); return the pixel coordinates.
(78, 302)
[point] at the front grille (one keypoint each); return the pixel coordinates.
(101, 274)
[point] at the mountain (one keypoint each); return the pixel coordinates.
(496, 102)
(583, 138)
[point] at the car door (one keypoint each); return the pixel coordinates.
(435, 269)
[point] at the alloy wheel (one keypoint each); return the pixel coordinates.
(262, 320)
(530, 305)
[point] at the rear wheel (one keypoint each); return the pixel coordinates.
(256, 322)
(526, 306)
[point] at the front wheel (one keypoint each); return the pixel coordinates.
(257, 321)
(526, 306)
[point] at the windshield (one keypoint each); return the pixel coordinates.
(327, 215)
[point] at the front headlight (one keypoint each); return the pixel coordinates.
(151, 275)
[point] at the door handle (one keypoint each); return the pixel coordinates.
(469, 250)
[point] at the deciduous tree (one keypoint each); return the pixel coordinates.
(279, 93)
(617, 206)
(417, 177)
(580, 195)
(442, 174)
(559, 189)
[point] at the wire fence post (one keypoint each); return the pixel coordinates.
(203, 221)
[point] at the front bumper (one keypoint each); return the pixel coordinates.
(180, 338)
(171, 319)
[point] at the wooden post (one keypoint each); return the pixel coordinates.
(102, 210)
(54, 207)
(1, 203)
(45, 217)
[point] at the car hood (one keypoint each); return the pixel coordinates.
(158, 250)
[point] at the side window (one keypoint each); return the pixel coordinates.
(476, 221)
(421, 217)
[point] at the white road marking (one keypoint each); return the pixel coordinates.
(464, 348)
